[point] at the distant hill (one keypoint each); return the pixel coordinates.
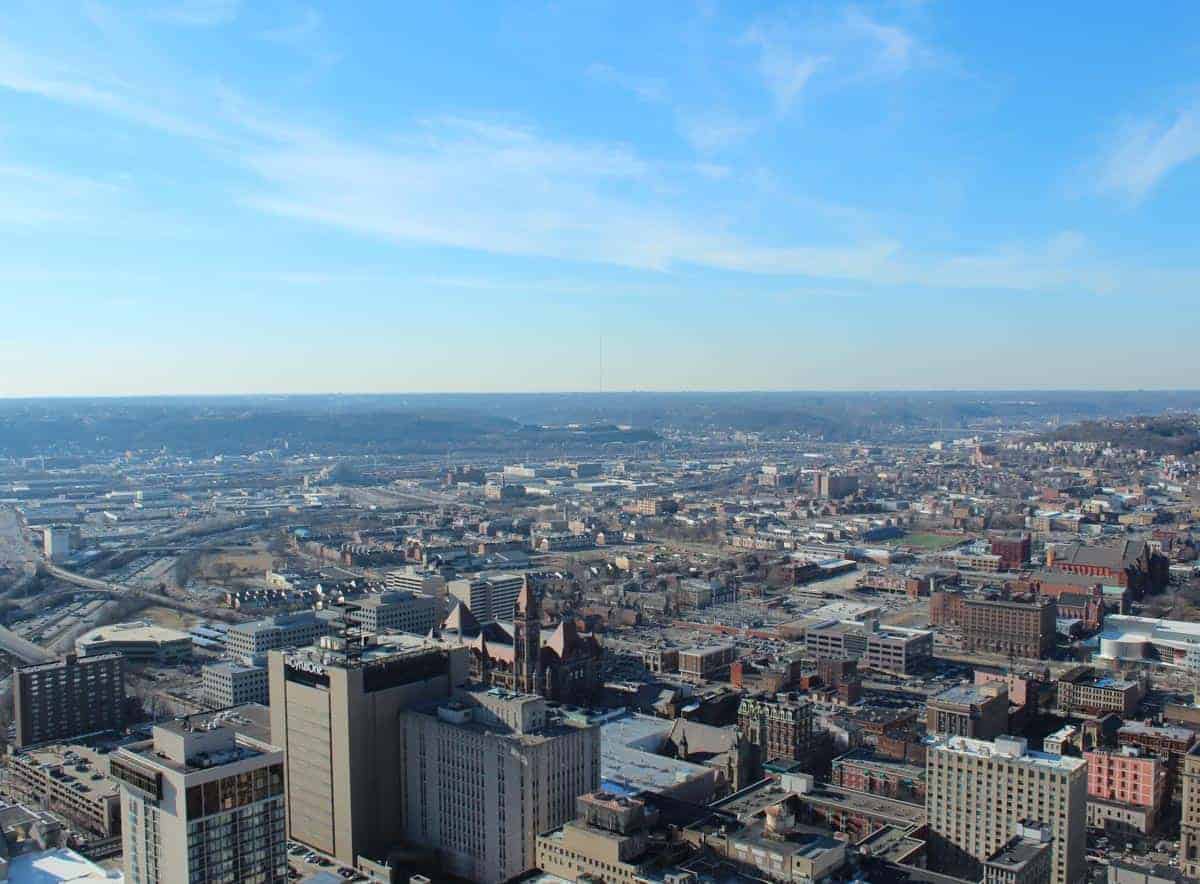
(1161, 435)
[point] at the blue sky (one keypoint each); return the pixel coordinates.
(222, 196)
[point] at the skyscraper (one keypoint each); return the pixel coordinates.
(978, 792)
(334, 711)
(203, 806)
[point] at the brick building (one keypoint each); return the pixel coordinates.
(1014, 627)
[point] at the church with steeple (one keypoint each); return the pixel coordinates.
(560, 664)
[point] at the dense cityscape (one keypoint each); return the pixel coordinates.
(713, 645)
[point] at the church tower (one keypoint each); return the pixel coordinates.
(527, 642)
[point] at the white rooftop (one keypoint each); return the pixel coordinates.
(57, 867)
(1012, 749)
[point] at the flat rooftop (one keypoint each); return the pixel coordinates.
(985, 749)
(627, 755)
(867, 804)
(965, 695)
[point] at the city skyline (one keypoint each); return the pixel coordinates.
(212, 196)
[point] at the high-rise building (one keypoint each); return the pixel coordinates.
(334, 711)
(488, 771)
(489, 596)
(827, 484)
(978, 792)
(68, 698)
(1189, 823)
(202, 805)
(56, 542)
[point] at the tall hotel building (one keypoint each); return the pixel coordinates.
(979, 792)
(203, 806)
(68, 698)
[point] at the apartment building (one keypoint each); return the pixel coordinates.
(204, 806)
(68, 698)
(1126, 790)
(486, 772)
(979, 791)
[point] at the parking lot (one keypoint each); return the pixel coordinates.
(304, 864)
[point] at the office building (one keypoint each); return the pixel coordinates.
(979, 791)
(489, 597)
(139, 641)
(1189, 822)
(977, 711)
(249, 640)
(56, 542)
(203, 806)
(886, 648)
(232, 684)
(486, 772)
(68, 698)
(780, 726)
(334, 711)
(396, 611)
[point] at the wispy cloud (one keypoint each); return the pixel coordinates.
(497, 185)
(785, 71)
(845, 47)
(306, 35)
(30, 75)
(1147, 151)
(198, 13)
(649, 89)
